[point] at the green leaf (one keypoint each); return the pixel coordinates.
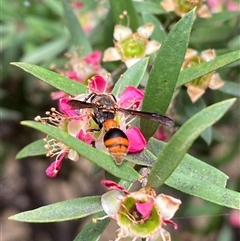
(148, 7)
(132, 76)
(201, 69)
(118, 7)
(173, 152)
(35, 148)
(192, 176)
(205, 189)
(193, 108)
(69, 86)
(103, 160)
(217, 18)
(78, 36)
(61, 211)
(92, 231)
(159, 33)
(47, 50)
(164, 74)
(231, 88)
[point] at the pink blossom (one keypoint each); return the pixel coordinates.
(65, 108)
(139, 214)
(113, 185)
(87, 138)
(145, 209)
(97, 84)
(57, 95)
(160, 134)
(94, 58)
(131, 98)
(136, 139)
(55, 166)
(234, 218)
(77, 5)
(74, 76)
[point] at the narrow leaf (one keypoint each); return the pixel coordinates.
(69, 86)
(148, 7)
(78, 36)
(118, 7)
(164, 74)
(101, 159)
(173, 152)
(231, 88)
(61, 211)
(206, 190)
(132, 76)
(92, 231)
(201, 69)
(35, 148)
(47, 50)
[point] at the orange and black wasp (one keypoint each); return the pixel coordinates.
(104, 109)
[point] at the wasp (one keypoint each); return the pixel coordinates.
(104, 109)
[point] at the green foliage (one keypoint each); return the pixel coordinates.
(42, 40)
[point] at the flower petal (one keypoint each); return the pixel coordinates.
(73, 155)
(111, 202)
(194, 92)
(152, 47)
(131, 98)
(203, 12)
(113, 185)
(167, 205)
(160, 134)
(55, 166)
(146, 30)
(121, 32)
(87, 138)
(208, 54)
(215, 82)
(168, 5)
(65, 108)
(136, 139)
(162, 235)
(57, 95)
(190, 53)
(145, 208)
(111, 54)
(94, 58)
(130, 62)
(97, 84)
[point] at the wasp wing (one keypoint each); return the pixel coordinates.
(78, 104)
(162, 119)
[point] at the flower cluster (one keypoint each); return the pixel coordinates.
(197, 87)
(81, 69)
(80, 123)
(131, 47)
(139, 214)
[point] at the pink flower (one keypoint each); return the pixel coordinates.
(94, 58)
(136, 139)
(160, 134)
(139, 214)
(55, 166)
(131, 98)
(87, 138)
(97, 84)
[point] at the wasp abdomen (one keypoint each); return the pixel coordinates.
(117, 144)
